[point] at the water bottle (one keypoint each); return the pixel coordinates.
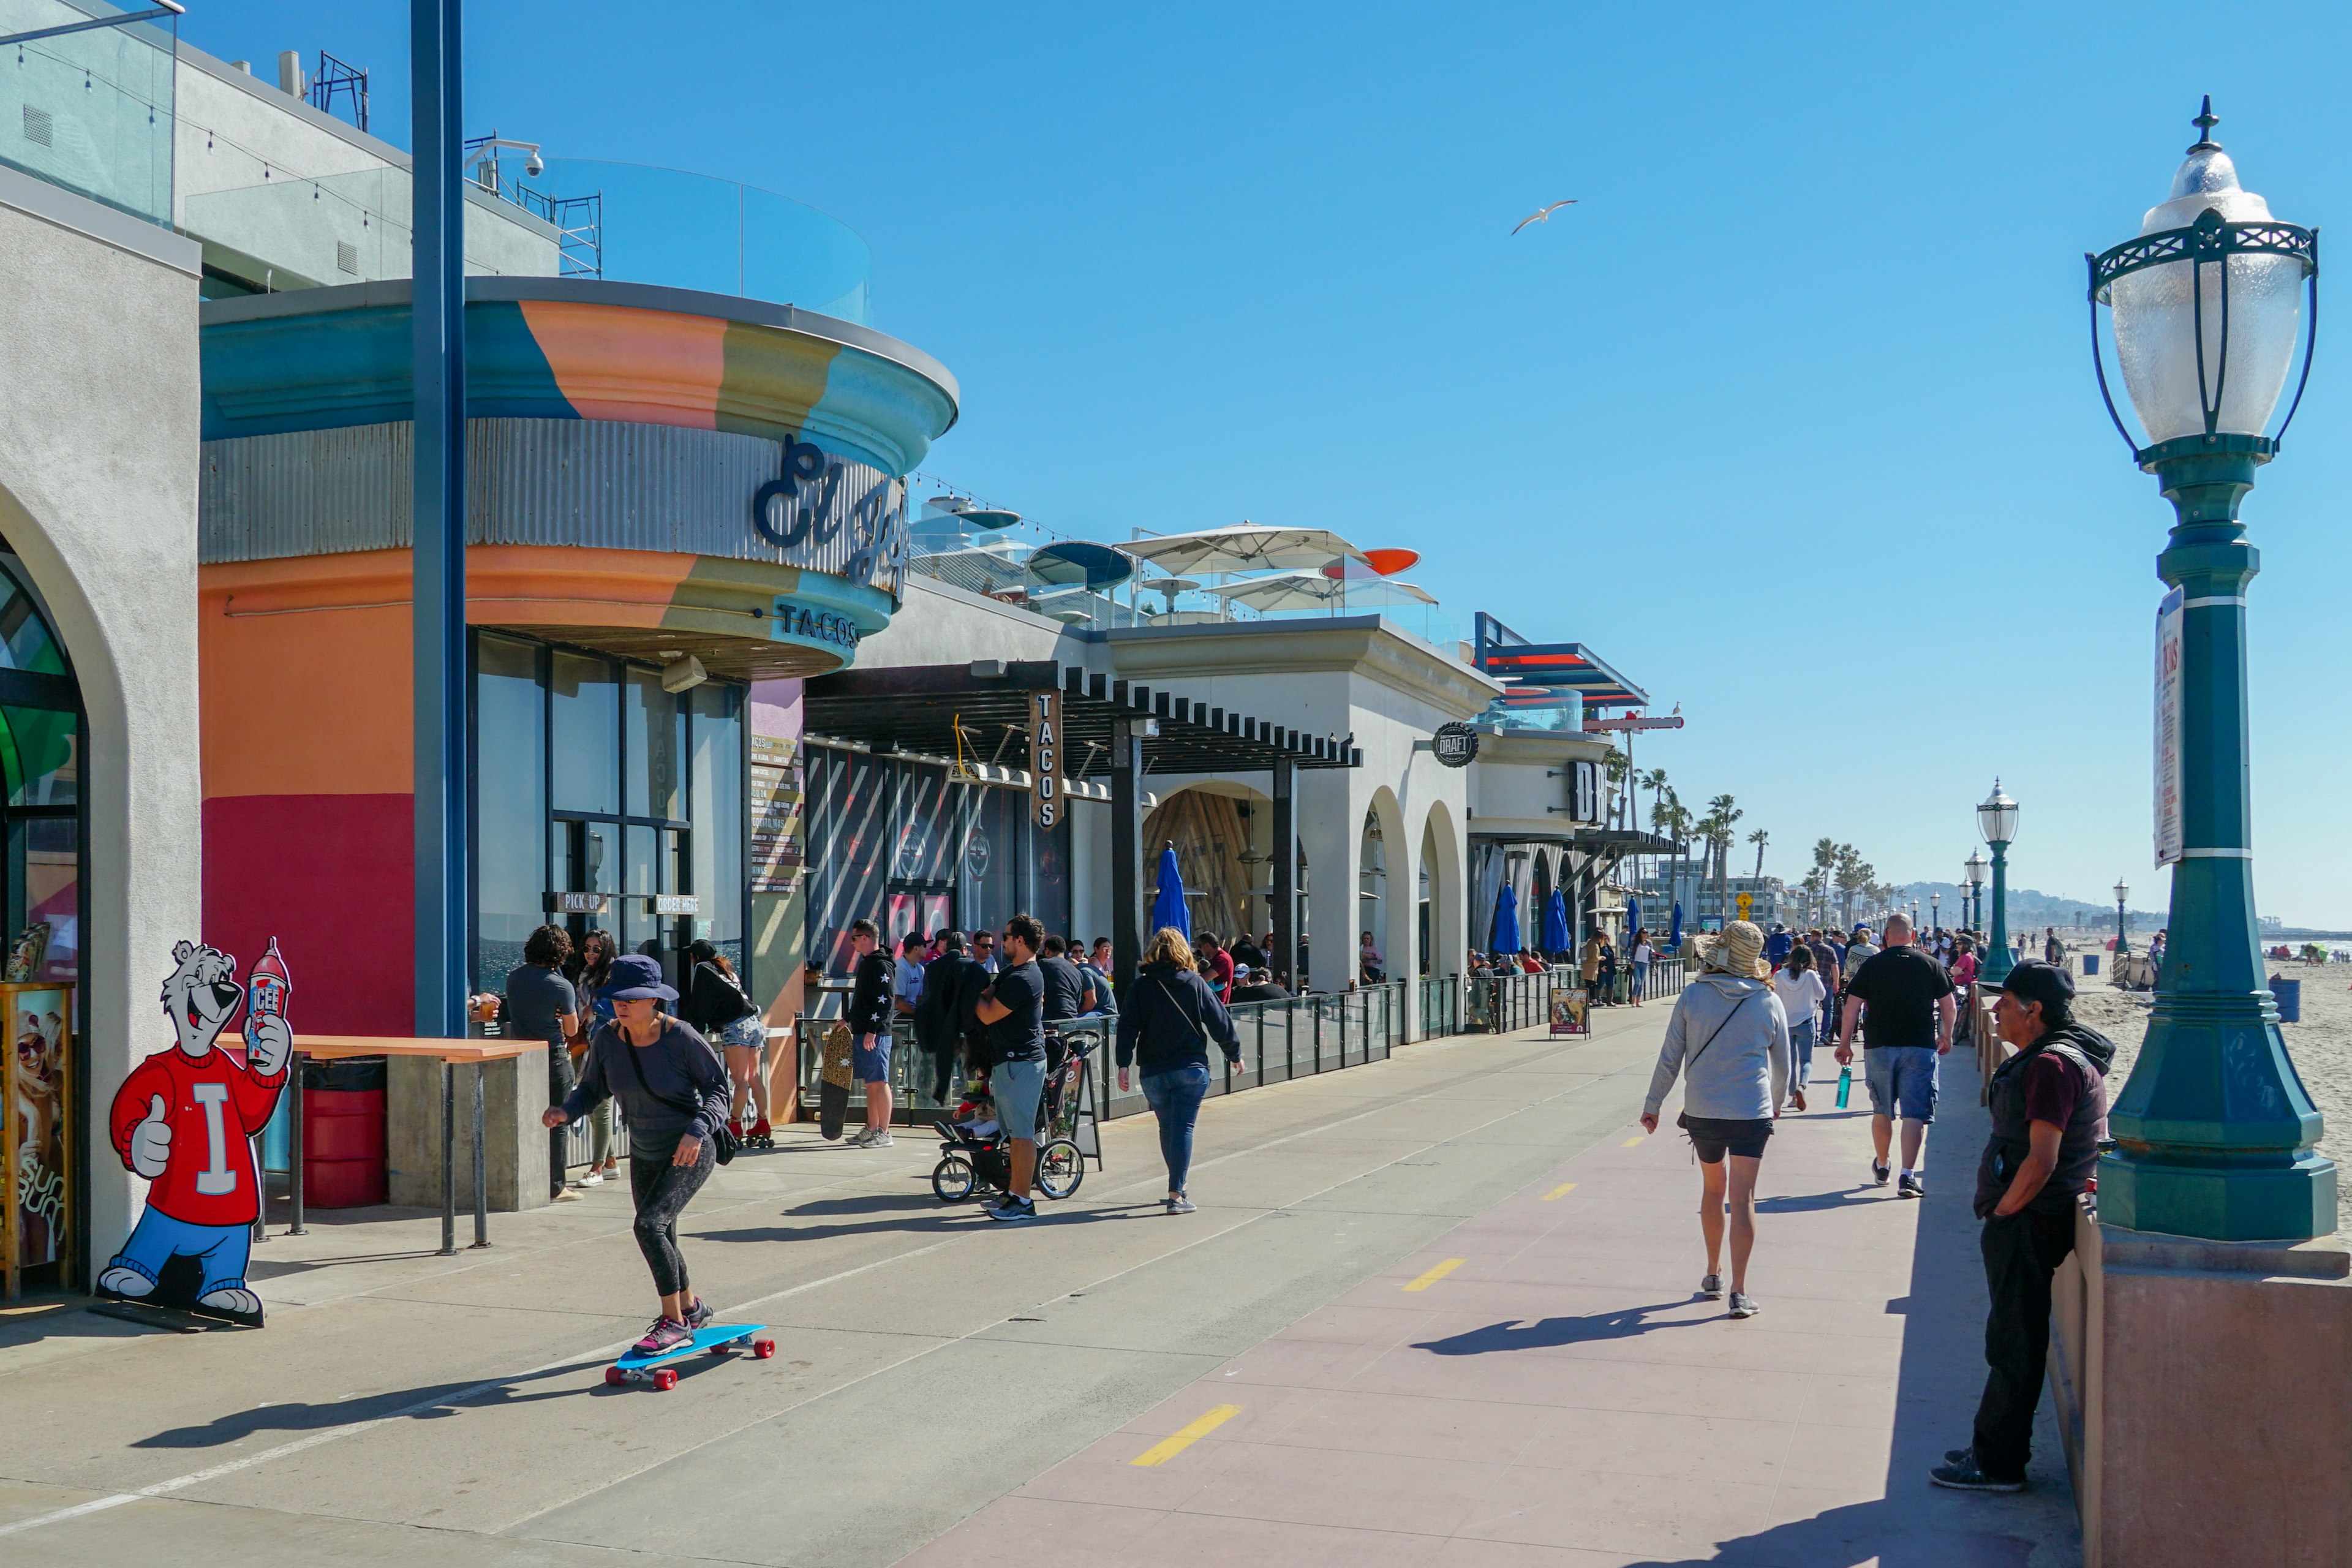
(1845, 1085)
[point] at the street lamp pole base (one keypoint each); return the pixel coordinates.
(2220, 1202)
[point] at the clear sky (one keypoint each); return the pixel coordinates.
(1792, 417)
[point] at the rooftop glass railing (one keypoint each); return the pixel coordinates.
(576, 218)
(91, 111)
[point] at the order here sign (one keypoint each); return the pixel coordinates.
(1045, 758)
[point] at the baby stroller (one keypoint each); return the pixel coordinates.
(975, 1155)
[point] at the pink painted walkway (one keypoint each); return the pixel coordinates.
(1540, 1386)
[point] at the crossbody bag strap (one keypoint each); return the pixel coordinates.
(1190, 1022)
(1718, 1030)
(629, 1054)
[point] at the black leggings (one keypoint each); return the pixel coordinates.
(662, 1192)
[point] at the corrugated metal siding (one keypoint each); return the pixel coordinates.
(535, 482)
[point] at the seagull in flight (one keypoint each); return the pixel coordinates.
(1543, 215)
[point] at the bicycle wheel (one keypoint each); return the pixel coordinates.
(952, 1179)
(1060, 1168)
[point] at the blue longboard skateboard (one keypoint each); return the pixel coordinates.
(720, 1339)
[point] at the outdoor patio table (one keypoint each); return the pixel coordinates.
(330, 1048)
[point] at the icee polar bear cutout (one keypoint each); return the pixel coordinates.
(184, 1119)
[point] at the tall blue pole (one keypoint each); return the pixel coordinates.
(439, 517)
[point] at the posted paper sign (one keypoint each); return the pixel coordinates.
(2168, 730)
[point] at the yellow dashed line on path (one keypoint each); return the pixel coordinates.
(1434, 1275)
(1630, 1143)
(1560, 1191)
(1167, 1449)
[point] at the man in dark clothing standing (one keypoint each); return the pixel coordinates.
(1068, 991)
(870, 1021)
(1826, 965)
(1014, 1008)
(2049, 1106)
(944, 1014)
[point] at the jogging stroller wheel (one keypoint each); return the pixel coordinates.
(953, 1180)
(1060, 1168)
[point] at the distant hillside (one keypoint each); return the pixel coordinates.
(2028, 907)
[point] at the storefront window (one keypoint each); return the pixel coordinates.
(510, 804)
(584, 785)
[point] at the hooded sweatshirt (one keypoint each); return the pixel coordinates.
(1728, 1040)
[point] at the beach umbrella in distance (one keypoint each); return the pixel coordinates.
(1079, 563)
(1555, 923)
(1507, 920)
(1167, 904)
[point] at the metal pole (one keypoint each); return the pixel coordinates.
(481, 1165)
(1285, 956)
(1998, 963)
(294, 1159)
(260, 1144)
(438, 479)
(1126, 857)
(448, 1159)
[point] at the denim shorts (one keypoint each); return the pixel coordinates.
(1018, 1087)
(870, 1065)
(1902, 1080)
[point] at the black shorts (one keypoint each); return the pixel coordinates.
(1714, 1137)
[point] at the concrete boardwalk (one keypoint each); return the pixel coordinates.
(970, 1392)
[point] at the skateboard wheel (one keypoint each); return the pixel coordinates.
(763, 1349)
(614, 1377)
(716, 1350)
(665, 1380)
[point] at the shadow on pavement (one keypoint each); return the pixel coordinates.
(1888, 1533)
(1809, 1201)
(1516, 1334)
(296, 1417)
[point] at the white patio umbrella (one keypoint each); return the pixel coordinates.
(1249, 547)
(1314, 591)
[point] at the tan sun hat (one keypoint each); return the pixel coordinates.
(1739, 952)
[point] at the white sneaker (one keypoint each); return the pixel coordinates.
(880, 1140)
(593, 1178)
(858, 1140)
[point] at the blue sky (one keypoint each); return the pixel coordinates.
(1790, 417)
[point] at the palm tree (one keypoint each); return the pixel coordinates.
(1759, 838)
(1848, 870)
(1726, 816)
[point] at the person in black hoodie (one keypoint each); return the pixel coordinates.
(2049, 1106)
(870, 1021)
(1172, 1015)
(944, 1013)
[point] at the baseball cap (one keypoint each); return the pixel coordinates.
(2034, 981)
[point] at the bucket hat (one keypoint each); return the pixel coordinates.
(634, 977)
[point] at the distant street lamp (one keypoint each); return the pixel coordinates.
(1935, 910)
(1974, 867)
(2123, 941)
(2214, 1130)
(1997, 820)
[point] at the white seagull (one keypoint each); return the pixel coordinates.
(1543, 215)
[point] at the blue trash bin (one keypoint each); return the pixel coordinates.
(2090, 964)
(2289, 993)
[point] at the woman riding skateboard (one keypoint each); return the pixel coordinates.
(675, 1095)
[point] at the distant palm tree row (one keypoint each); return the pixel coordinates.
(1840, 879)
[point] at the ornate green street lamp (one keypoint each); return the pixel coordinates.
(1974, 866)
(1997, 820)
(2123, 940)
(2214, 1130)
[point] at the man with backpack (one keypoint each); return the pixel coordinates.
(869, 1022)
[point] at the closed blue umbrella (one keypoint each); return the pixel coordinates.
(1676, 938)
(1632, 918)
(1167, 904)
(1555, 923)
(1506, 919)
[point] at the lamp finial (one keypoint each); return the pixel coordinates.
(2205, 120)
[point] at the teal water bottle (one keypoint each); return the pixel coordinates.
(1845, 1085)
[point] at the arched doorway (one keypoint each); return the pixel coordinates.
(43, 1168)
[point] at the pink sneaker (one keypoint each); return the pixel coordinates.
(667, 1333)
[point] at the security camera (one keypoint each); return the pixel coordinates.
(534, 165)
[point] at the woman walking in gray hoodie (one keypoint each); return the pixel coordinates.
(1728, 1041)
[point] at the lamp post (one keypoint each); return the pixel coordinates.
(1997, 820)
(2214, 1130)
(2122, 941)
(1935, 910)
(1974, 867)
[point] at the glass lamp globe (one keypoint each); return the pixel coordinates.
(1996, 818)
(2156, 314)
(2122, 892)
(1975, 867)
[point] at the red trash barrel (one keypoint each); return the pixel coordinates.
(342, 1133)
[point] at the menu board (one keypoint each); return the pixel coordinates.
(775, 858)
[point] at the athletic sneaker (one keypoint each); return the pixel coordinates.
(1180, 1204)
(859, 1139)
(1712, 1286)
(1963, 1474)
(1911, 1187)
(667, 1333)
(698, 1316)
(1012, 1209)
(595, 1177)
(1744, 1305)
(1879, 1172)
(880, 1140)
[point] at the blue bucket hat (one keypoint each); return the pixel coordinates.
(632, 977)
